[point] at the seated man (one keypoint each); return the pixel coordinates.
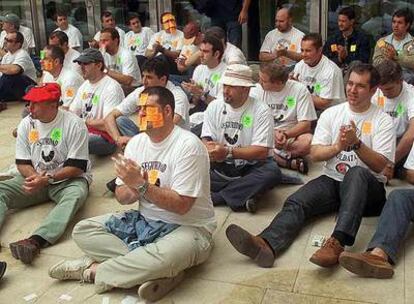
(52, 158)
(232, 54)
(282, 44)
(348, 44)
(392, 229)
(395, 97)
(355, 140)
(53, 71)
(120, 64)
(60, 39)
(293, 111)
(95, 99)
(205, 84)
(74, 35)
(399, 45)
(17, 71)
(322, 77)
(107, 21)
(166, 43)
(166, 169)
(138, 38)
(238, 133)
(11, 24)
(155, 73)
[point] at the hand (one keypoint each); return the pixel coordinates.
(193, 88)
(342, 53)
(157, 47)
(181, 61)
(390, 53)
(129, 172)
(35, 183)
(93, 44)
(243, 16)
(388, 171)
(280, 139)
(122, 141)
(348, 134)
(280, 52)
(217, 152)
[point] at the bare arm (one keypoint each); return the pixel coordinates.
(410, 176)
(10, 69)
(123, 79)
(321, 103)
(110, 123)
(323, 153)
(300, 128)
(98, 124)
(265, 56)
(26, 170)
(372, 159)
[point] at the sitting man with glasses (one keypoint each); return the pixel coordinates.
(17, 71)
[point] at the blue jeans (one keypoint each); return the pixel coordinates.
(13, 87)
(254, 180)
(100, 146)
(359, 194)
(394, 222)
(126, 126)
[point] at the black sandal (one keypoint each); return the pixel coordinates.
(298, 164)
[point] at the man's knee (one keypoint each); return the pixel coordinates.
(358, 171)
(401, 197)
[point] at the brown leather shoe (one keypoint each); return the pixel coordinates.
(366, 265)
(253, 246)
(25, 250)
(328, 254)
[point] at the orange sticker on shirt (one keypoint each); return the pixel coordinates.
(381, 43)
(70, 92)
(381, 101)
(292, 47)
(334, 48)
(367, 128)
(33, 136)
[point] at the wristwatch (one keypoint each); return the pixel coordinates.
(142, 190)
(50, 178)
(229, 154)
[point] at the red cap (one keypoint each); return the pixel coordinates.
(43, 93)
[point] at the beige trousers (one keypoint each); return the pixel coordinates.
(183, 248)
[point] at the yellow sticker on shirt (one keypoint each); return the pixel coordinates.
(152, 176)
(366, 128)
(381, 101)
(381, 43)
(33, 136)
(334, 48)
(353, 47)
(292, 47)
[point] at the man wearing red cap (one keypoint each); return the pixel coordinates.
(52, 158)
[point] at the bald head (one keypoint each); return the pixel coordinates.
(283, 20)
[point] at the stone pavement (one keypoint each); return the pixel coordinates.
(227, 277)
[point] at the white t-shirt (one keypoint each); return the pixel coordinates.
(209, 79)
(74, 35)
(69, 82)
(22, 59)
(232, 54)
(68, 62)
(409, 163)
(289, 106)
(168, 40)
(249, 125)
(121, 33)
(49, 145)
(97, 100)
(400, 108)
(324, 80)
(129, 105)
(27, 33)
(374, 129)
(180, 163)
(137, 43)
(125, 63)
(290, 40)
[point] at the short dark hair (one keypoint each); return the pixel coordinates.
(218, 32)
(316, 39)
(406, 13)
(132, 16)
(216, 43)
(165, 97)
(114, 33)
(348, 12)
(56, 52)
(389, 71)
(61, 36)
(275, 71)
(362, 68)
(157, 66)
(61, 12)
(19, 38)
(105, 14)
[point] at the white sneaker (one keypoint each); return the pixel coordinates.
(154, 290)
(72, 270)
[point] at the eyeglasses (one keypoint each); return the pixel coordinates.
(10, 40)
